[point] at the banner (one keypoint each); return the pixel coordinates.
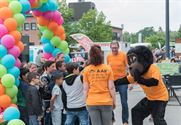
(83, 40)
(168, 68)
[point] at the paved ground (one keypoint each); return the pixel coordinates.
(172, 115)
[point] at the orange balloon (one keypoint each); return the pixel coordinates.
(5, 101)
(14, 105)
(11, 24)
(1, 120)
(63, 37)
(5, 12)
(53, 26)
(17, 35)
(2, 89)
(20, 45)
(59, 31)
(42, 21)
(4, 3)
(34, 4)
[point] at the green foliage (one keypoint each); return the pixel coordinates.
(179, 33)
(94, 25)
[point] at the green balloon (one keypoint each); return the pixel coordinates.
(48, 34)
(43, 1)
(12, 92)
(3, 71)
(63, 45)
(67, 51)
(8, 80)
(19, 18)
(15, 6)
(55, 41)
(14, 100)
(42, 28)
(19, 28)
(11, 0)
(16, 122)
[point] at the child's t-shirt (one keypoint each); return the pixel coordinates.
(58, 104)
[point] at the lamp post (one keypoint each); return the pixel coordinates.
(167, 30)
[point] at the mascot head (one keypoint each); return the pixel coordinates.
(139, 58)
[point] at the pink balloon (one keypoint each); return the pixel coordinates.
(48, 15)
(56, 16)
(18, 63)
(1, 21)
(60, 21)
(8, 41)
(47, 55)
(37, 13)
(15, 51)
(51, 59)
(3, 30)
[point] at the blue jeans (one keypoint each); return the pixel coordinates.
(47, 115)
(123, 91)
(82, 115)
(33, 120)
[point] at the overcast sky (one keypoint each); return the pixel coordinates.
(137, 14)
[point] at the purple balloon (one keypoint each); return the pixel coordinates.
(37, 13)
(15, 51)
(48, 15)
(3, 30)
(8, 41)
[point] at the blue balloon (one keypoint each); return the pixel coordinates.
(45, 7)
(17, 82)
(52, 5)
(25, 6)
(48, 48)
(67, 58)
(8, 61)
(44, 40)
(11, 113)
(14, 71)
(3, 51)
(55, 51)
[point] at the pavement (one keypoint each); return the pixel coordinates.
(173, 110)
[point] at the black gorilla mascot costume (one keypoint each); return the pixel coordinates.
(143, 72)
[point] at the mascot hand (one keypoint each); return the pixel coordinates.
(136, 75)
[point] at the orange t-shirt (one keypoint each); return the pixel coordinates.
(118, 64)
(97, 78)
(158, 92)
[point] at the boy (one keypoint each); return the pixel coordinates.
(56, 105)
(73, 87)
(34, 105)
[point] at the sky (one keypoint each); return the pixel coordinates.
(137, 14)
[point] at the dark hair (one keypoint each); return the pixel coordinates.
(57, 75)
(59, 64)
(114, 42)
(96, 57)
(31, 75)
(71, 66)
(48, 64)
(23, 71)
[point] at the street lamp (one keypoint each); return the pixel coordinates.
(167, 30)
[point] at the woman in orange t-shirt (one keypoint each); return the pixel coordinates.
(99, 88)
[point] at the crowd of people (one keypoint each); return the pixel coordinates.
(55, 93)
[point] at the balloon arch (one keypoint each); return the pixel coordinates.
(12, 16)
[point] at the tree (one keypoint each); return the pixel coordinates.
(70, 27)
(179, 33)
(146, 32)
(126, 37)
(94, 25)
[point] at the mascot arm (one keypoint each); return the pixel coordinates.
(122, 81)
(148, 82)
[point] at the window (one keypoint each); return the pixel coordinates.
(26, 26)
(33, 26)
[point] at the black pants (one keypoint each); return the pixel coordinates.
(145, 107)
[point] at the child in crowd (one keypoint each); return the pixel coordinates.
(73, 87)
(33, 102)
(56, 105)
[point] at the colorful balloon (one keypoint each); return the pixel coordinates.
(3, 51)
(16, 122)
(8, 61)
(11, 24)
(55, 41)
(14, 100)
(48, 48)
(8, 41)
(19, 18)
(55, 52)
(5, 13)
(14, 71)
(17, 63)
(25, 6)
(48, 34)
(3, 3)
(17, 35)
(5, 101)
(3, 71)
(8, 80)
(15, 6)
(3, 30)
(15, 51)
(11, 113)
(2, 90)
(12, 92)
